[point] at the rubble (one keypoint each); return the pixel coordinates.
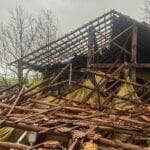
(97, 106)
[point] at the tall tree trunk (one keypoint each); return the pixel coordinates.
(20, 72)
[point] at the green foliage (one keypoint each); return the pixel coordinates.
(11, 81)
(7, 81)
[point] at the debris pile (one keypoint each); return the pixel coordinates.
(93, 95)
(103, 111)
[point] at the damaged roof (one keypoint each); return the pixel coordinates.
(106, 27)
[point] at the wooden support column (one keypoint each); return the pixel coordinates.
(91, 45)
(70, 74)
(134, 53)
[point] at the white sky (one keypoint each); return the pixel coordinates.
(74, 13)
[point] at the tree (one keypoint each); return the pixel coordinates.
(22, 34)
(47, 27)
(147, 11)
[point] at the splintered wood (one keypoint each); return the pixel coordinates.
(65, 121)
(94, 103)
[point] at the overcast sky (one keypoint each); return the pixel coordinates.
(74, 13)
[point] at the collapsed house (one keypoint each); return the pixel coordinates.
(94, 95)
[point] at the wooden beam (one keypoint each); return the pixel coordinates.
(9, 88)
(134, 53)
(108, 65)
(91, 38)
(33, 66)
(13, 146)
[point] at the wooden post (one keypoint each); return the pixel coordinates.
(70, 74)
(134, 53)
(91, 45)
